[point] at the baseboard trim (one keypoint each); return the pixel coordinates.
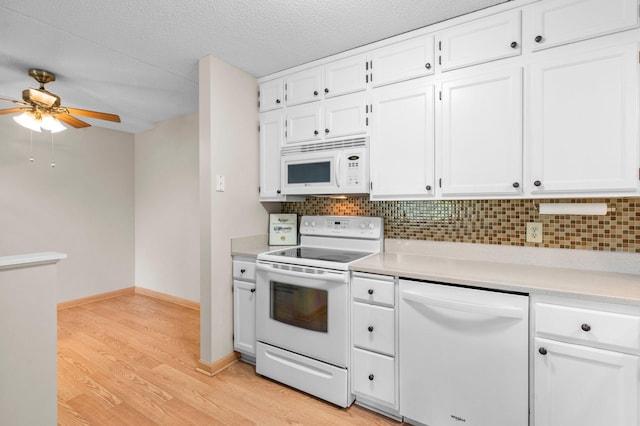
(95, 298)
(168, 298)
(211, 369)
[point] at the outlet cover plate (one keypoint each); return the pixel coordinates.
(534, 232)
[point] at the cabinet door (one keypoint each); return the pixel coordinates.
(244, 317)
(271, 95)
(481, 146)
(374, 376)
(304, 86)
(345, 116)
(582, 386)
(271, 137)
(564, 21)
(483, 40)
(303, 123)
(402, 61)
(345, 76)
(402, 141)
(584, 122)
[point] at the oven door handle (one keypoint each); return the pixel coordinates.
(327, 276)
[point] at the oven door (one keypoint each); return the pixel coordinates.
(303, 310)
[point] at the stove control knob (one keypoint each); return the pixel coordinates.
(363, 225)
(306, 223)
(371, 226)
(313, 223)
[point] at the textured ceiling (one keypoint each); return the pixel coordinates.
(139, 58)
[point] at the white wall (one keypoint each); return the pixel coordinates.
(167, 231)
(228, 109)
(83, 207)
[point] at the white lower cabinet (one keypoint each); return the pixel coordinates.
(586, 364)
(374, 376)
(244, 307)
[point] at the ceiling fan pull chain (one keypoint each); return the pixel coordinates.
(31, 159)
(53, 163)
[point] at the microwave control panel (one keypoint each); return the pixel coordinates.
(355, 169)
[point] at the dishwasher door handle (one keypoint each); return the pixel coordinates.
(463, 306)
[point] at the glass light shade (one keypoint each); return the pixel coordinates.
(28, 119)
(51, 124)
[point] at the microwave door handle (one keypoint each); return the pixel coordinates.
(338, 171)
(327, 276)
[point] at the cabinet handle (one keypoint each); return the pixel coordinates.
(277, 101)
(542, 351)
(514, 44)
(315, 132)
(516, 185)
(253, 290)
(315, 93)
(538, 39)
(371, 377)
(370, 291)
(242, 271)
(427, 66)
(585, 327)
(278, 191)
(326, 130)
(326, 90)
(428, 187)
(370, 328)
(537, 183)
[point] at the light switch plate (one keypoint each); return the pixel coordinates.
(219, 183)
(534, 232)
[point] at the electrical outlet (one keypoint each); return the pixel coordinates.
(534, 232)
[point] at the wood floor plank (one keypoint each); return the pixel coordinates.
(131, 359)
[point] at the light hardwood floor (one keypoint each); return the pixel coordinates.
(131, 360)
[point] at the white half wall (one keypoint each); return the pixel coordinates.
(167, 228)
(228, 122)
(83, 207)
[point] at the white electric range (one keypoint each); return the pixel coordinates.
(302, 304)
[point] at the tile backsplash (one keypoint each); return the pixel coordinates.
(491, 221)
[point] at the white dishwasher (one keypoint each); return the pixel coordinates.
(463, 356)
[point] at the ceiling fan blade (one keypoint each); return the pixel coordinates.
(14, 101)
(72, 121)
(94, 114)
(12, 110)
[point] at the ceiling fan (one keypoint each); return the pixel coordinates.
(41, 109)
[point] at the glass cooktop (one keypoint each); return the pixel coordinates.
(315, 253)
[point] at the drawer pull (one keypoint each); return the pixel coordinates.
(253, 290)
(370, 329)
(371, 377)
(370, 291)
(585, 327)
(542, 351)
(242, 271)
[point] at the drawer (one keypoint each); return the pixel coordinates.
(244, 270)
(374, 328)
(374, 376)
(367, 289)
(588, 326)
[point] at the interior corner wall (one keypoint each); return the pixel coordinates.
(83, 207)
(167, 236)
(228, 123)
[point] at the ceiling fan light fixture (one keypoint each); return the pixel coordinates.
(52, 124)
(28, 119)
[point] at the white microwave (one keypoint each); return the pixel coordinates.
(326, 168)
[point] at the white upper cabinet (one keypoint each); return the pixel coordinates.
(303, 123)
(271, 136)
(481, 145)
(483, 40)
(557, 22)
(584, 121)
(402, 141)
(345, 116)
(402, 61)
(345, 76)
(304, 86)
(271, 94)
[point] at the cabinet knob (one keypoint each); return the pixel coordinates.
(514, 44)
(326, 90)
(277, 101)
(427, 66)
(242, 271)
(516, 185)
(253, 290)
(370, 291)
(428, 187)
(326, 130)
(585, 327)
(315, 93)
(538, 39)
(370, 328)
(371, 377)
(537, 183)
(315, 132)
(278, 191)
(542, 351)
